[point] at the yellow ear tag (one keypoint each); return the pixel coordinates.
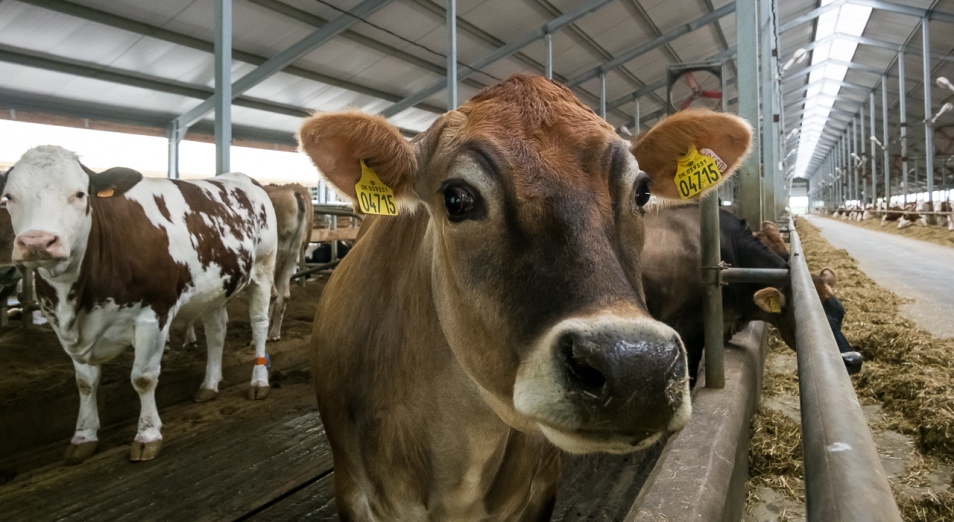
(696, 172)
(105, 193)
(774, 306)
(374, 197)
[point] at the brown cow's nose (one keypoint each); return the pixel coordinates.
(632, 382)
(35, 245)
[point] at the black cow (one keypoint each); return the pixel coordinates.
(672, 281)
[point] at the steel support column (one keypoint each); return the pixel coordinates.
(767, 91)
(902, 109)
(884, 140)
(747, 38)
(874, 163)
(222, 101)
(603, 96)
(548, 70)
(451, 54)
(928, 114)
(638, 126)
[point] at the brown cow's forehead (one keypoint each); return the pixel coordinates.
(535, 123)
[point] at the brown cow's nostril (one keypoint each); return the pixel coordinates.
(578, 369)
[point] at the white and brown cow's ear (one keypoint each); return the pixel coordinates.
(337, 142)
(770, 300)
(658, 151)
(113, 182)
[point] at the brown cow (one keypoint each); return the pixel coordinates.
(772, 238)
(946, 207)
(501, 313)
(295, 216)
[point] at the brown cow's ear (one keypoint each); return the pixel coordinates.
(113, 182)
(725, 137)
(337, 142)
(770, 300)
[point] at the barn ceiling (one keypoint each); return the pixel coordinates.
(144, 62)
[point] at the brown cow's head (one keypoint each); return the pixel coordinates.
(535, 233)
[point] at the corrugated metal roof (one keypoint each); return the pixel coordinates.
(129, 59)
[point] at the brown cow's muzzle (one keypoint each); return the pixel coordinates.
(606, 384)
(39, 249)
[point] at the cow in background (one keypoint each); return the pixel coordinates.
(894, 213)
(500, 316)
(295, 217)
(675, 291)
(912, 214)
(770, 236)
(118, 257)
(949, 218)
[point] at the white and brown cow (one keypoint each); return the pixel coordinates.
(500, 317)
(295, 216)
(119, 257)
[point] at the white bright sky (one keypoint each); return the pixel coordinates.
(100, 150)
(848, 19)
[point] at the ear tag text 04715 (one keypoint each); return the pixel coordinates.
(374, 197)
(695, 172)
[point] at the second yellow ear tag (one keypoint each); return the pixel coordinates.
(374, 197)
(105, 193)
(774, 306)
(696, 172)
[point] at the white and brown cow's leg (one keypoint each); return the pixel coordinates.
(190, 338)
(215, 324)
(84, 440)
(258, 292)
(283, 293)
(148, 345)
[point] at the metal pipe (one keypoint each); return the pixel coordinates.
(855, 190)
(884, 140)
(902, 108)
(712, 317)
(451, 54)
(314, 269)
(603, 96)
(639, 124)
(548, 71)
(222, 100)
(766, 93)
(928, 113)
(864, 148)
(172, 134)
(762, 276)
(844, 479)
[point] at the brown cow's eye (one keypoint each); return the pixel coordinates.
(459, 201)
(642, 190)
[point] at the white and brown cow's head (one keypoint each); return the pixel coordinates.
(534, 239)
(47, 193)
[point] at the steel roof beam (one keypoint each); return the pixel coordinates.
(502, 52)
(285, 58)
(841, 84)
(872, 42)
(45, 62)
(24, 101)
(166, 35)
(661, 41)
(850, 65)
(809, 16)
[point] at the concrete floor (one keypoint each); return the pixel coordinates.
(908, 267)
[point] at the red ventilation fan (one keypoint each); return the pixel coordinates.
(695, 87)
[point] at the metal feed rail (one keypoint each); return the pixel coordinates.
(844, 479)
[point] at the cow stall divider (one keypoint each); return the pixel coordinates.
(844, 478)
(332, 235)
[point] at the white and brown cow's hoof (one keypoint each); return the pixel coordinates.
(273, 339)
(257, 393)
(140, 451)
(76, 453)
(204, 395)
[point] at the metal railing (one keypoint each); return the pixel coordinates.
(844, 479)
(334, 211)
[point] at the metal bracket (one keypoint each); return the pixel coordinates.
(712, 275)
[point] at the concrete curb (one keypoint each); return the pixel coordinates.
(702, 471)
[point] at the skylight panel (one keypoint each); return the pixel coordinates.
(849, 19)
